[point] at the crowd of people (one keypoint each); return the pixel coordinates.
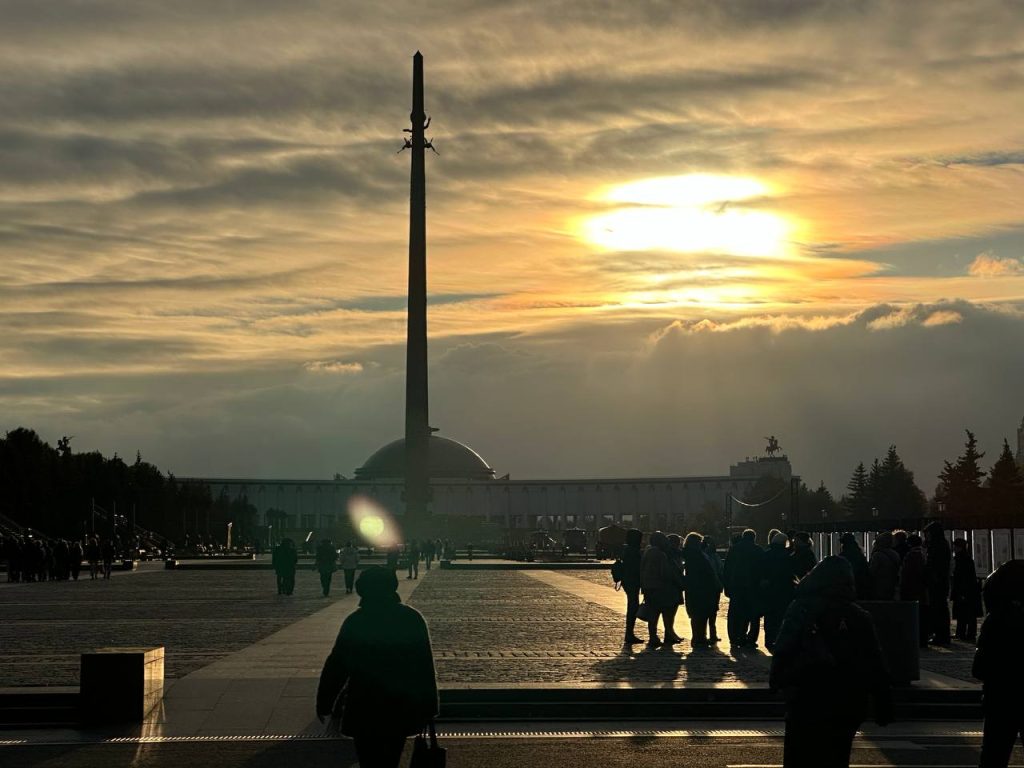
(761, 582)
(33, 559)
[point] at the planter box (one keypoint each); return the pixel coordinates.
(121, 685)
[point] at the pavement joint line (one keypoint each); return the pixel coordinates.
(565, 733)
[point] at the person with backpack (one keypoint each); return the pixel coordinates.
(626, 572)
(828, 663)
(999, 664)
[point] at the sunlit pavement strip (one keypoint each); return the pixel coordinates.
(609, 597)
(893, 738)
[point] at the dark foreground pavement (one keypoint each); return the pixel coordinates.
(726, 746)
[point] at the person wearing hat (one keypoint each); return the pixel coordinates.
(999, 664)
(378, 684)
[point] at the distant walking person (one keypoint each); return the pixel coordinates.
(378, 685)
(629, 577)
(780, 583)
(884, 568)
(393, 555)
(326, 564)
(999, 664)
(744, 571)
(701, 587)
(828, 663)
(107, 551)
(412, 551)
(92, 554)
(349, 564)
(914, 584)
(966, 593)
(76, 555)
(285, 559)
(937, 565)
(718, 567)
(662, 585)
(469, 551)
(428, 552)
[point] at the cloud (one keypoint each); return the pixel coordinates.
(333, 366)
(942, 317)
(989, 265)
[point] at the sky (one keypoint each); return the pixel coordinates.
(657, 231)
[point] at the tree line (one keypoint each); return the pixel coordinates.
(53, 490)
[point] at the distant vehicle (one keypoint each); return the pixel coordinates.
(610, 540)
(574, 541)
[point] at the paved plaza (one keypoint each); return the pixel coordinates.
(488, 627)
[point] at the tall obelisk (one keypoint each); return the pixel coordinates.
(417, 421)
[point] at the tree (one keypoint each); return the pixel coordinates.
(1006, 484)
(960, 482)
(899, 496)
(856, 503)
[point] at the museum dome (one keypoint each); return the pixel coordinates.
(447, 460)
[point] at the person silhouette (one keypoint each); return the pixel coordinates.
(827, 661)
(999, 665)
(378, 684)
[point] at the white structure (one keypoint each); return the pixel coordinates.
(462, 486)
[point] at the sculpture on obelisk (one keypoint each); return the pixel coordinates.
(417, 421)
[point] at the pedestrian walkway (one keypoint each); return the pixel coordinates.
(266, 688)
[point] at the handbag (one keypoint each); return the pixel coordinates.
(426, 753)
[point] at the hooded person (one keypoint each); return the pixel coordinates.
(378, 684)
(828, 663)
(938, 562)
(914, 584)
(999, 664)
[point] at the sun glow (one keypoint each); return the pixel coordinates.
(696, 213)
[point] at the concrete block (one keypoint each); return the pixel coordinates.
(121, 685)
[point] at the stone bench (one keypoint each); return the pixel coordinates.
(121, 685)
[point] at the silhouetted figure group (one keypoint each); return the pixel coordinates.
(33, 559)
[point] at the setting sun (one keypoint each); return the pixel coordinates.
(696, 213)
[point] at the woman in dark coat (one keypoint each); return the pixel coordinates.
(662, 585)
(378, 685)
(711, 552)
(937, 566)
(828, 663)
(632, 553)
(702, 588)
(780, 582)
(966, 593)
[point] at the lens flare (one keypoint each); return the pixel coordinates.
(375, 524)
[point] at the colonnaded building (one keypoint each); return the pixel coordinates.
(466, 495)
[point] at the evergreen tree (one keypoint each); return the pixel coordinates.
(856, 503)
(875, 485)
(961, 481)
(1006, 484)
(899, 496)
